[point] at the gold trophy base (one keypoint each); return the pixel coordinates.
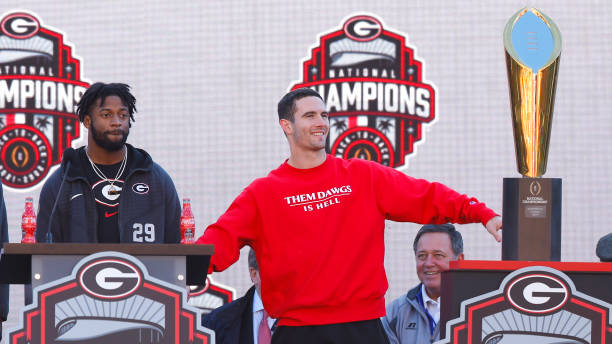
(532, 219)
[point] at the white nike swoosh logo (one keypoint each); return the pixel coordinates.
(75, 196)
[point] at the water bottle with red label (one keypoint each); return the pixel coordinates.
(28, 222)
(187, 223)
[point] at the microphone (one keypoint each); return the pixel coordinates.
(604, 248)
(69, 154)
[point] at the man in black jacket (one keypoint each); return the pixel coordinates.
(108, 191)
(4, 288)
(240, 321)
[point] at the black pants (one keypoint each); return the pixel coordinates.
(358, 332)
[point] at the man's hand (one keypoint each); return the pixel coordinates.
(494, 227)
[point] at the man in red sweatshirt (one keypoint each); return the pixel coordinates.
(317, 226)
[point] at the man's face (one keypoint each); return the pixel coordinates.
(108, 123)
(433, 254)
(310, 125)
(255, 279)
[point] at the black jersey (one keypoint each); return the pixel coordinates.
(107, 194)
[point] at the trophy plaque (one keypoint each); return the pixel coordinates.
(532, 204)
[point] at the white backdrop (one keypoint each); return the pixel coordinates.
(207, 76)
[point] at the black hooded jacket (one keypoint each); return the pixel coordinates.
(149, 211)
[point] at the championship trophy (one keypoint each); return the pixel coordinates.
(531, 204)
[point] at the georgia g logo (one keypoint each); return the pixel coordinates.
(140, 188)
(20, 25)
(363, 28)
(110, 279)
(537, 293)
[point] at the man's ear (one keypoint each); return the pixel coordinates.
(287, 126)
(87, 121)
(252, 274)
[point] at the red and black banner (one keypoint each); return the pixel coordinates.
(110, 298)
(373, 87)
(40, 85)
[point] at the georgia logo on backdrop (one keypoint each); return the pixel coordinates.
(110, 298)
(535, 304)
(374, 91)
(40, 85)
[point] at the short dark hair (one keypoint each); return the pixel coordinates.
(100, 90)
(454, 235)
(286, 106)
(253, 260)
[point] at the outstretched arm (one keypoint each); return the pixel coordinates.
(406, 199)
(236, 228)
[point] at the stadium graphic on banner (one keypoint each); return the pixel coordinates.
(210, 296)
(110, 298)
(374, 91)
(40, 85)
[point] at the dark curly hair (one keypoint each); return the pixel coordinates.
(100, 90)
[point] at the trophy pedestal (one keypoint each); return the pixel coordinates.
(532, 219)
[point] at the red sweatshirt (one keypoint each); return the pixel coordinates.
(318, 235)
